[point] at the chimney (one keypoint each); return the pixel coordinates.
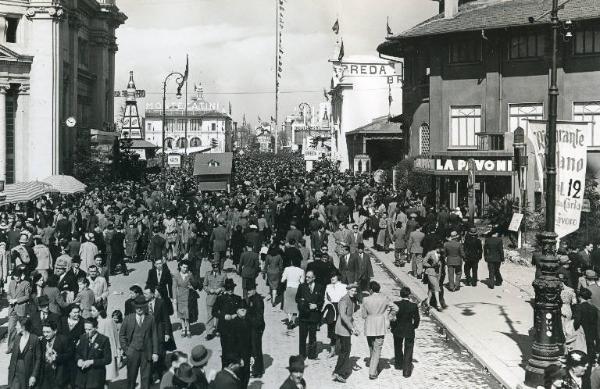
(450, 8)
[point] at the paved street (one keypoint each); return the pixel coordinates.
(438, 363)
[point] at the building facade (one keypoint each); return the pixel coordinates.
(363, 88)
(207, 127)
(57, 60)
(308, 122)
(475, 72)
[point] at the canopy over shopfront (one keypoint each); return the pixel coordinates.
(25, 191)
(65, 184)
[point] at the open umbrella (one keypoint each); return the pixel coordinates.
(25, 191)
(65, 184)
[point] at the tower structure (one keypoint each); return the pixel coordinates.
(132, 127)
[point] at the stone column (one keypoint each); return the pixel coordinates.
(3, 90)
(22, 138)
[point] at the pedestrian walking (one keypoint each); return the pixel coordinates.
(272, 270)
(293, 275)
(415, 250)
(309, 299)
(214, 284)
(454, 253)
(473, 251)
(56, 351)
(19, 291)
(107, 328)
(26, 357)
(344, 329)
(494, 256)
(224, 309)
(405, 321)
(93, 354)
(249, 268)
(333, 294)
(375, 311)
(139, 343)
(360, 270)
(256, 319)
(186, 297)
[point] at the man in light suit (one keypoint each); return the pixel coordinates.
(406, 320)
(374, 310)
(344, 329)
(139, 342)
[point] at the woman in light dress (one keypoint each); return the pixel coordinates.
(108, 328)
(186, 298)
(294, 275)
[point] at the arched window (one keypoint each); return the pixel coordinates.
(195, 142)
(181, 143)
(169, 143)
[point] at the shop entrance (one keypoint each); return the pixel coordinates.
(453, 191)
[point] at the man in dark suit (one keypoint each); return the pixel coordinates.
(586, 316)
(164, 330)
(57, 353)
(139, 342)
(318, 238)
(249, 268)
(360, 270)
(403, 328)
(225, 309)
(75, 273)
(161, 279)
(295, 379)
(253, 238)
(66, 280)
(43, 314)
(309, 297)
(256, 318)
(494, 256)
(219, 242)
(93, 355)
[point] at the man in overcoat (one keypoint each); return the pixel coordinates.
(405, 321)
(309, 298)
(374, 310)
(93, 355)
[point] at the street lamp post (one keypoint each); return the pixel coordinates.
(547, 345)
(180, 80)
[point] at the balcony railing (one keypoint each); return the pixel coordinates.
(490, 142)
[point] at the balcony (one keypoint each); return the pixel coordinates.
(490, 142)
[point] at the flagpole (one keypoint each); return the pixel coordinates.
(276, 71)
(185, 131)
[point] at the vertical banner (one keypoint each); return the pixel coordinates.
(536, 134)
(471, 187)
(571, 161)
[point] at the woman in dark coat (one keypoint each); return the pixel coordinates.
(26, 358)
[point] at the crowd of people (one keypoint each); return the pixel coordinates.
(303, 233)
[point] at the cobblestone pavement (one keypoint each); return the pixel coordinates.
(438, 363)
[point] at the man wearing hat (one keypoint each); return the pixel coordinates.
(42, 314)
(309, 298)
(139, 342)
(256, 319)
(344, 329)
(455, 254)
(296, 369)
(225, 309)
(198, 359)
(22, 254)
(493, 250)
(19, 290)
(473, 253)
(253, 238)
(588, 279)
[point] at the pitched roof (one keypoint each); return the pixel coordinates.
(495, 14)
(380, 125)
(142, 144)
(212, 164)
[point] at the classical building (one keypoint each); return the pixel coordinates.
(475, 71)
(308, 121)
(56, 62)
(207, 127)
(363, 88)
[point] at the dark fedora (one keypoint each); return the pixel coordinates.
(184, 373)
(296, 364)
(199, 355)
(43, 301)
(140, 301)
(229, 284)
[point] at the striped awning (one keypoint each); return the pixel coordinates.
(65, 184)
(25, 191)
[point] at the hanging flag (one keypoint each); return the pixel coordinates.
(336, 27)
(389, 29)
(230, 108)
(390, 98)
(325, 94)
(187, 68)
(341, 55)
(273, 119)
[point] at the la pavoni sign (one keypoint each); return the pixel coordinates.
(461, 165)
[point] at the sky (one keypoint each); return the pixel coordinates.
(231, 46)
